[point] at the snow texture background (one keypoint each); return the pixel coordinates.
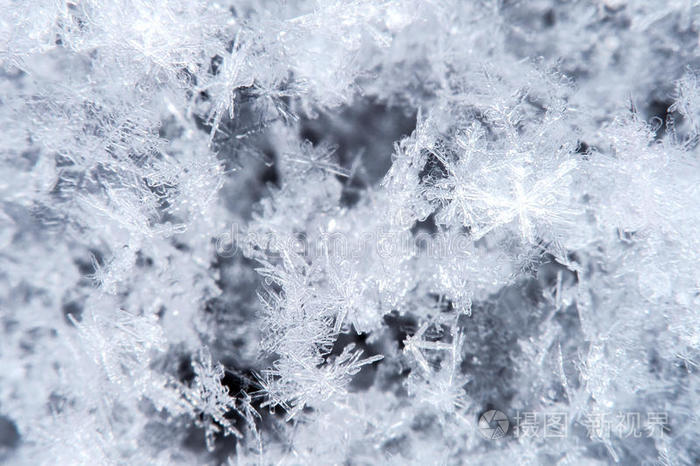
(340, 232)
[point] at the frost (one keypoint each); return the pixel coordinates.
(210, 400)
(337, 232)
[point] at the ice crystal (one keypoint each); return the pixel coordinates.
(338, 232)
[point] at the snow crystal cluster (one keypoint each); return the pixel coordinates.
(349, 232)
